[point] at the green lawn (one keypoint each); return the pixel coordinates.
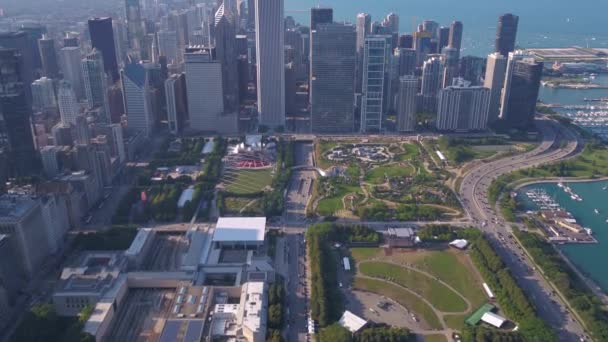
(364, 253)
(412, 151)
(456, 321)
(330, 205)
(403, 297)
(378, 174)
(441, 297)
(457, 273)
(248, 181)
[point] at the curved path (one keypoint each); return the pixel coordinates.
(559, 143)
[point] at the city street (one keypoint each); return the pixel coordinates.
(558, 143)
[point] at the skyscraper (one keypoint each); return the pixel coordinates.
(443, 38)
(520, 92)
(406, 106)
(205, 93)
(225, 50)
(68, 105)
(450, 65)
(95, 83)
(333, 77)
(167, 45)
(432, 77)
(71, 61)
(270, 58)
(320, 16)
(495, 80)
(48, 56)
(102, 39)
(377, 55)
(364, 22)
(177, 105)
(391, 22)
(135, 25)
(463, 108)
(406, 41)
(43, 94)
(431, 27)
(137, 98)
(422, 44)
(21, 42)
(506, 33)
(15, 114)
(406, 61)
(456, 36)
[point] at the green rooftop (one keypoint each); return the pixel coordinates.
(476, 316)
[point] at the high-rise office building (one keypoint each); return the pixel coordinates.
(364, 23)
(422, 44)
(177, 104)
(167, 45)
(138, 98)
(22, 218)
(496, 69)
(391, 22)
(456, 36)
(506, 33)
(15, 115)
(320, 15)
(270, 58)
(432, 77)
(48, 56)
(463, 108)
(471, 68)
(406, 41)
(406, 61)
(225, 52)
(443, 38)
(135, 25)
(449, 58)
(43, 94)
(118, 141)
(377, 56)
(68, 105)
(333, 77)
(431, 27)
(406, 106)
(102, 39)
(71, 63)
(205, 93)
(28, 49)
(95, 83)
(34, 32)
(520, 92)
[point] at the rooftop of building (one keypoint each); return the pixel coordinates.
(143, 234)
(234, 229)
(13, 207)
(91, 272)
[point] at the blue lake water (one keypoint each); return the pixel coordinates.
(589, 258)
(542, 23)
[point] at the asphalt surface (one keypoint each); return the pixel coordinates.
(558, 143)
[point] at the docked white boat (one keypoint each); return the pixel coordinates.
(596, 211)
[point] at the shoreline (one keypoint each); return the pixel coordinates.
(592, 284)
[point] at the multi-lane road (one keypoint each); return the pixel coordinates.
(558, 143)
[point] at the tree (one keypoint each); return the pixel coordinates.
(335, 333)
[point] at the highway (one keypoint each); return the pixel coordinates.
(558, 143)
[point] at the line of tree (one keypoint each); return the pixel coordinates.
(513, 301)
(42, 324)
(589, 307)
(326, 298)
(115, 238)
(446, 233)
(372, 333)
(276, 311)
(274, 201)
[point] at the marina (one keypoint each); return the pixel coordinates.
(587, 257)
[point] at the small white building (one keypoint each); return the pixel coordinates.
(459, 243)
(493, 319)
(352, 322)
(239, 232)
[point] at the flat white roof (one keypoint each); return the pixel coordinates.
(229, 229)
(352, 322)
(493, 319)
(440, 155)
(143, 234)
